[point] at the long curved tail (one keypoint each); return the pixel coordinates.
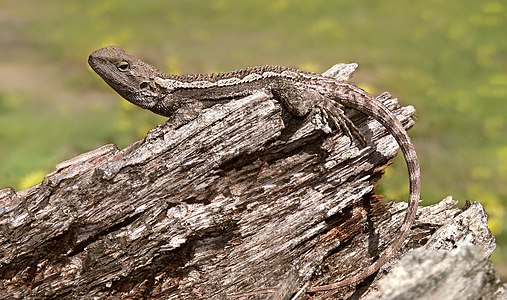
(375, 109)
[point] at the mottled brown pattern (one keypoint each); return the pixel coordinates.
(138, 82)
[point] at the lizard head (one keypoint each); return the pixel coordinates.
(127, 75)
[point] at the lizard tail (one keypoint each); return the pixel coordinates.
(375, 109)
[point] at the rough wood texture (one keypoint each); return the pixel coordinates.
(245, 198)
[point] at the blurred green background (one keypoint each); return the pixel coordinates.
(447, 58)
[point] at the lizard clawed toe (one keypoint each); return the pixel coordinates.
(342, 122)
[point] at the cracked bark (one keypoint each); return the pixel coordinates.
(243, 198)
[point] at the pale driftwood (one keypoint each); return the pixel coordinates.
(245, 198)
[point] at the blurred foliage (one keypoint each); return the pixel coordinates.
(447, 58)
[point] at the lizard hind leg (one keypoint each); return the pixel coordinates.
(301, 101)
(342, 122)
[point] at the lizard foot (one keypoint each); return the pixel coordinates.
(342, 122)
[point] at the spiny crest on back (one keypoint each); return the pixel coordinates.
(239, 74)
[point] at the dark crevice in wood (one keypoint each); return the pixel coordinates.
(228, 203)
(78, 248)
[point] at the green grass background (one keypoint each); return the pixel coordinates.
(447, 58)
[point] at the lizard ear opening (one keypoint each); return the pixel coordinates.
(123, 66)
(144, 85)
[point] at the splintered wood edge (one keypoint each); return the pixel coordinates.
(441, 232)
(82, 191)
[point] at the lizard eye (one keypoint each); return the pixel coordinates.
(123, 66)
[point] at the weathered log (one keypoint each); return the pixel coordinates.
(244, 198)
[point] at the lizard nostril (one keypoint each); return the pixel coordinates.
(144, 84)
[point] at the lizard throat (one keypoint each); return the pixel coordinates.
(144, 98)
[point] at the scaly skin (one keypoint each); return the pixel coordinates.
(183, 97)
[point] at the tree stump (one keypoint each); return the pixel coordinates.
(244, 202)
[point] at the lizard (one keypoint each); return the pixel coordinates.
(182, 97)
